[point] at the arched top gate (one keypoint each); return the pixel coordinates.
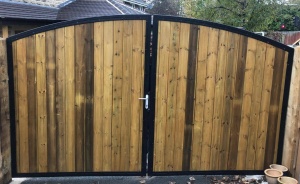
(104, 95)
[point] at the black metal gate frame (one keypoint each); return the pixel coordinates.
(151, 39)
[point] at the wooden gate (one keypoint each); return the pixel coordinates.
(77, 87)
(218, 97)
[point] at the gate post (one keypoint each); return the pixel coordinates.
(5, 153)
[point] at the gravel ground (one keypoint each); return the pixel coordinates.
(201, 179)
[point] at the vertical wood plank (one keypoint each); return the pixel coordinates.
(241, 47)
(264, 108)
(281, 92)
(161, 94)
(255, 105)
(211, 68)
(31, 83)
(218, 110)
(98, 96)
(199, 98)
(41, 102)
(70, 98)
(126, 95)
(89, 143)
(80, 94)
(291, 140)
(117, 95)
(60, 99)
(171, 98)
(15, 65)
(181, 94)
(246, 106)
(50, 89)
(107, 94)
(190, 95)
(273, 119)
(231, 64)
(23, 105)
(137, 78)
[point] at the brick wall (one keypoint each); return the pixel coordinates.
(5, 155)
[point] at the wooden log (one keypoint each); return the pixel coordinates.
(5, 154)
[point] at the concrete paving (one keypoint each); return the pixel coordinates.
(113, 180)
(199, 179)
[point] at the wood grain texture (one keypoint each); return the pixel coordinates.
(60, 99)
(246, 106)
(199, 98)
(31, 84)
(190, 95)
(23, 106)
(51, 111)
(41, 103)
(70, 98)
(211, 68)
(98, 96)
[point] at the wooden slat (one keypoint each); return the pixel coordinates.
(161, 94)
(181, 94)
(41, 102)
(171, 98)
(70, 98)
(190, 95)
(211, 68)
(15, 65)
(291, 134)
(137, 78)
(51, 111)
(126, 96)
(255, 105)
(32, 119)
(117, 95)
(80, 93)
(273, 119)
(60, 99)
(199, 98)
(23, 105)
(107, 94)
(98, 96)
(280, 99)
(241, 47)
(89, 59)
(264, 109)
(246, 107)
(218, 110)
(231, 67)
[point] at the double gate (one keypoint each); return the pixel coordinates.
(131, 95)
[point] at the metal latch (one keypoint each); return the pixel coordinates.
(146, 101)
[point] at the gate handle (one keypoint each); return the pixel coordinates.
(147, 100)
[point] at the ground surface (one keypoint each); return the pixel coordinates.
(122, 180)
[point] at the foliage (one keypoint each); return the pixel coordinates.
(286, 15)
(165, 7)
(253, 15)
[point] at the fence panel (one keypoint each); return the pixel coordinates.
(218, 97)
(77, 91)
